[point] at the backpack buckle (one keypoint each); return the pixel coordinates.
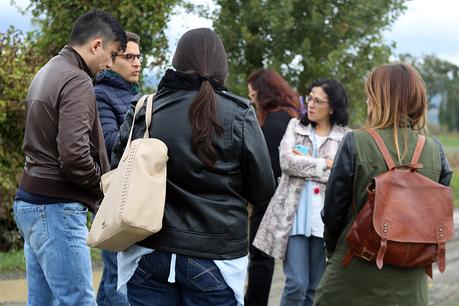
(366, 255)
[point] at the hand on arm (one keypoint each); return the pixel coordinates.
(298, 165)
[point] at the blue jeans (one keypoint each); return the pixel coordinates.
(58, 261)
(107, 294)
(197, 282)
(304, 265)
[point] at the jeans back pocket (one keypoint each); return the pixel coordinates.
(31, 222)
(205, 275)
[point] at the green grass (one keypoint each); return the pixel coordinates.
(455, 187)
(450, 142)
(96, 255)
(449, 139)
(14, 261)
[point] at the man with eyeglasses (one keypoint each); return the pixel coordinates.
(114, 90)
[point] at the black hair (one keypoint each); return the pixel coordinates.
(337, 99)
(200, 51)
(133, 37)
(97, 23)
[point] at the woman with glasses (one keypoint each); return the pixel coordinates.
(292, 228)
(276, 103)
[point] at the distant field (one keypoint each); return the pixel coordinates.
(450, 142)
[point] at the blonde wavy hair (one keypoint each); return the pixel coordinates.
(396, 98)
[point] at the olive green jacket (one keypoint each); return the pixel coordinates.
(361, 283)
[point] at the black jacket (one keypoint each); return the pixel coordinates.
(274, 129)
(205, 212)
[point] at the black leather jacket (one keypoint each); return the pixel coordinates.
(205, 212)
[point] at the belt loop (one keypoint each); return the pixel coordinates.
(171, 278)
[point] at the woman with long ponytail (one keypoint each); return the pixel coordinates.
(209, 69)
(218, 161)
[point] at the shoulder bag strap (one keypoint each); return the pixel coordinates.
(148, 115)
(382, 147)
(138, 107)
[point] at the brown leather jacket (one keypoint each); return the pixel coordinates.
(64, 147)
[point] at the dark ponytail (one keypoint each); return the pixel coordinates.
(202, 115)
(200, 51)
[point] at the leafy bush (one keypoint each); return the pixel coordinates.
(19, 61)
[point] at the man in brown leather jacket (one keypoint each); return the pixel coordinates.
(65, 157)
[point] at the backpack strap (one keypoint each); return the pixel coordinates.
(382, 147)
(418, 150)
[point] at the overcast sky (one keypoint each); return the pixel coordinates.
(427, 27)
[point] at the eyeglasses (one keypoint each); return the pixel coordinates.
(130, 57)
(318, 102)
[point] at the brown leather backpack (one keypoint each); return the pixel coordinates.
(406, 219)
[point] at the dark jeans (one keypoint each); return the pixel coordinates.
(107, 294)
(261, 266)
(197, 282)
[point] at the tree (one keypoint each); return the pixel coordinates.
(307, 39)
(147, 18)
(18, 65)
(442, 81)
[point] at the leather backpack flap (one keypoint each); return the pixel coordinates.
(410, 207)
